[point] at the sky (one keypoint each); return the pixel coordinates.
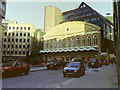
(33, 12)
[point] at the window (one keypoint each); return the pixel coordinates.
(18, 64)
(20, 40)
(12, 40)
(8, 40)
(89, 41)
(7, 52)
(16, 46)
(20, 34)
(63, 43)
(28, 34)
(83, 41)
(47, 44)
(28, 46)
(23, 52)
(8, 46)
(23, 46)
(89, 14)
(24, 28)
(15, 52)
(20, 28)
(19, 52)
(13, 28)
(9, 28)
(16, 34)
(24, 40)
(12, 46)
(28, 28)
(9, 34)
(19, 46)
(17, 28)
(4, 46)
(5, 33)
(4, 39)
(58, 44)
(28, 40)
(78, 41)
(11, 52)
(24, 34)
(95, 40)
(16, 40)
(13, 34)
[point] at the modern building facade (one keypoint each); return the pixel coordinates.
(75, 39)
(2, 15)
(51, 18)
(18, 39)
(85, 13)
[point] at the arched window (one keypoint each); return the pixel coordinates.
(95, 40)
(78, 41)
(55, 43)
(50, 44)
(83, 40)
(89, 40)
(63, 43)
(47, 42)
(72, 41)
(59, 44)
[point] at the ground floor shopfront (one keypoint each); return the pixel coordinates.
(68, 56)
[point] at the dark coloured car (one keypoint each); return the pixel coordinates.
(74, 69)
(56, 64)
(93, 63)
(105, 62)
(15, 68)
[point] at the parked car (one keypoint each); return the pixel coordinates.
(15, 68)
(93, 63)
(100, 63)
(74, 69)
(56, 64)
(105, 62)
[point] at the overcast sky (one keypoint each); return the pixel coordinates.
(33, 12)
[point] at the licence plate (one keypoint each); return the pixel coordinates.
(69, 73)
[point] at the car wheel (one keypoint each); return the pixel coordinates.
(27, 72)
(84, 72)
(64, 75)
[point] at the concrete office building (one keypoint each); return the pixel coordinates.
(51, 18)
(2, 15)
(18, 39)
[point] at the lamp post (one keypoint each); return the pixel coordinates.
(116, 15)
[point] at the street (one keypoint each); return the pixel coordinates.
(53, 79)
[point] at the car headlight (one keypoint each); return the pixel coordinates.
(3, 71)
(75, 70)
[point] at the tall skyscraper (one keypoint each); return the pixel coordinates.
(52, 16)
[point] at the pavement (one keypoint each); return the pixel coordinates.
(37, 68)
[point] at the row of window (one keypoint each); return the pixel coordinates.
(17, 28)
(16, 46)
(73, 42)
(17, 34)
(15, 52)
(16, 40)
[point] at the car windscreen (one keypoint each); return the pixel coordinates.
(8, 64)
(93, 60)
(73, 65)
